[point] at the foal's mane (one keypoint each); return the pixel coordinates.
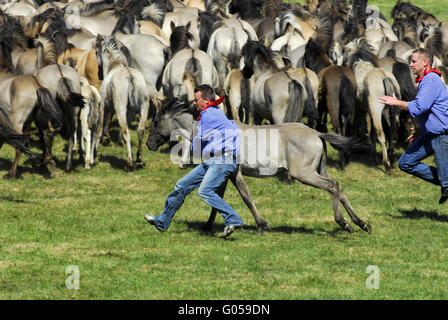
(172, 107)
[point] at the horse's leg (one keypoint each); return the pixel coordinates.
(122, 120)
(105, 139)
(378, 127)
(13, 171)
(141, 132)
(86, 140)
(48, 136)
(71, 140)
(238, 180)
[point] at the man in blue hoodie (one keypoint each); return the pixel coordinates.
(430, 107)
(217, 143)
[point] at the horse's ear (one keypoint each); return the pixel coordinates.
(188, 25)
(172, 26)
(439, 25)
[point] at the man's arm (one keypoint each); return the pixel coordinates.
(393, 101)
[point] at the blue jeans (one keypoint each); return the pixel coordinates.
(208, 177)
(423, 147)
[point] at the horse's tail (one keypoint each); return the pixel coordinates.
(294, 110)
(407, 89)
(310, 104)
(347, 97)
(18, 141)
(347, 144)
(167, 57)
(133, 95)
(68, 99)
(246, 103)
(49, 107)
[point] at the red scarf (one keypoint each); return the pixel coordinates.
(211, 104)
(417, 80)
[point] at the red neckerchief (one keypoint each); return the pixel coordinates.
(211, 104)
(417, 80)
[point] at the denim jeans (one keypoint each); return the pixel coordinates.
(423, 147)
(208, 177)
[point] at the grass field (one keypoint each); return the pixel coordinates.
(92, 222)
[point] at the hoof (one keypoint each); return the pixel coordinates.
(348, 228)
(105, 141)
(7, 176)
(367, 228)
(139, 165)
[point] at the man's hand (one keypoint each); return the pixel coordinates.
(415, 133)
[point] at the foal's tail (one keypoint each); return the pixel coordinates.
(347, 144)
(18, 141)
(68, 99)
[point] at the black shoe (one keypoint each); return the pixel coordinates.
(444, 196)
(151, 220)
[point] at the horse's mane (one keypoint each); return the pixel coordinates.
(127, 19)
(253, 48)
(273, 8)
(288, 18)
(315, 57)
(117, 54)
(208, 22)
(247, 9)
(56, 23)
(88, 9)
(179, 39)
(11, 35)
(434, 39)
(361, 51)
(351, 29)
(218, 7)
(324, 31)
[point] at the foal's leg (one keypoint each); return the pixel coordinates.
(48, 136)
(308, 175)
(238, 181)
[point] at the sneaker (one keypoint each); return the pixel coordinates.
(444, 196)
(228, 230)
(152, 221)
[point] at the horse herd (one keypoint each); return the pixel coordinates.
(69, 66)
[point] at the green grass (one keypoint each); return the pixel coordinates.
(94, 220)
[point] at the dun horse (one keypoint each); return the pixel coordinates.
(293, 148)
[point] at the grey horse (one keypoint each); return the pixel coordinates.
(293, 148)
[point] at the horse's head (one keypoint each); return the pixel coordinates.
(173, 119)
(180, 37)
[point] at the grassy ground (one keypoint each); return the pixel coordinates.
(93, 220)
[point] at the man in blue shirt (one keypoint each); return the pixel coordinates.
(217, 142)
(430, 107)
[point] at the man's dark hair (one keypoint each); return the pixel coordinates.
(207, 92)
(427, 54)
